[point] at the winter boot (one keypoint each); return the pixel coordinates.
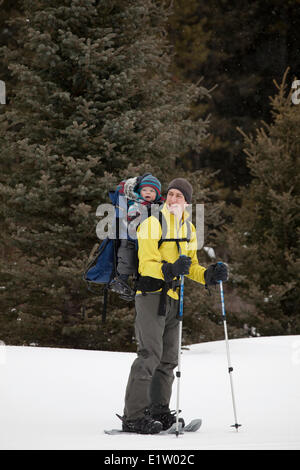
(163, 414)
(144, 425)
(119, 286)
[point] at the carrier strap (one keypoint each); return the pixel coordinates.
(151, 284)
(163, 238)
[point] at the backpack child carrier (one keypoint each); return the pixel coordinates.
(101, 268)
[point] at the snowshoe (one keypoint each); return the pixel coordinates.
(167, 417)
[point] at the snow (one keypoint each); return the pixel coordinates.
(64, 399)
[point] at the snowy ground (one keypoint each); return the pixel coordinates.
(64, 399)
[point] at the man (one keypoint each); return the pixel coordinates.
(151, 377)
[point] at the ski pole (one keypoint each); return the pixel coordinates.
(180, 317)
(178, 372)
(230, 368)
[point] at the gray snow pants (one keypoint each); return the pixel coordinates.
(151, 376)
(126, 257)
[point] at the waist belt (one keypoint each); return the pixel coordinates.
(150, 284)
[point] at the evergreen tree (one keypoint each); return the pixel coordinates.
(264, 237)
(8, 10)
(91, 101)
(240, 46)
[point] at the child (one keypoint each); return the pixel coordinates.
(145, 193)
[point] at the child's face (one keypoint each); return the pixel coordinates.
(148, 193)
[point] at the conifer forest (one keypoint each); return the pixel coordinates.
(93, 92)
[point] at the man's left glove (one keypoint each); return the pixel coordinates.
(215, 273)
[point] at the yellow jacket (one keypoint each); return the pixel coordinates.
(151, 257)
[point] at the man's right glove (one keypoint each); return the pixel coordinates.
(216, 272)
(181, 266)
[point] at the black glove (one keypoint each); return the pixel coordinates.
(181, 266)
(216, 272)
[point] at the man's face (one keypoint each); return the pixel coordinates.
(176, 202)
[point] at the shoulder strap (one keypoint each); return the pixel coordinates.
(189, 230)
(163, 224)
(163, 238)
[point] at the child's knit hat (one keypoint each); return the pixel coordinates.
(151, 181)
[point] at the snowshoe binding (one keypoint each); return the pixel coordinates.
(167, 417)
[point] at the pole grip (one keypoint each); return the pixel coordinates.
(180, 315)
(222, 299)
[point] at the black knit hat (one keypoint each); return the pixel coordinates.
(183, 186)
